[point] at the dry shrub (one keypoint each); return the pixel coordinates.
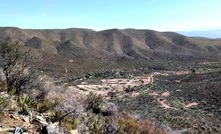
(44, 106)
(71, 122)
(129, 125)
(96, 116)
(66, 100)
(4, 102)
(3, 86)
(94, 103)
(98, 124)
(149, 128)
(146, 127)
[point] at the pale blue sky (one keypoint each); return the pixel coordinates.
(161, 15)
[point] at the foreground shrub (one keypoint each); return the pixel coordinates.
(44, 106)
(4, 102)
(147, 127)
(94, 103)
(129, 126)
(3, 86)
(63, 104)
(123, 124)
(55, 116)
(15, 62)
(71, 122)
(26, 104)
(98, 124)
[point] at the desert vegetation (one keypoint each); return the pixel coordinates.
(139, 91)
(29, 100)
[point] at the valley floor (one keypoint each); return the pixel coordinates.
(184, 100)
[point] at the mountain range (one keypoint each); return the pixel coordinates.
(59, 47)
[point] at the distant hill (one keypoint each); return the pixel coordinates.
(56, 47)
(207, 34)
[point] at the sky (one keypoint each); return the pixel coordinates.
(160, 15)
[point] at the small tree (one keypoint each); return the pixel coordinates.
(15, 64)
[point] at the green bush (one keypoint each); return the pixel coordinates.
(26, 104)
(3, 86)
(178, 104)
(15, 62)
(94, 103)
(3, 105)
(44, 106)
(129, 126)
(71, 123)
(55, 116)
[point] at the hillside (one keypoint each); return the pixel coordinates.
(60, 48)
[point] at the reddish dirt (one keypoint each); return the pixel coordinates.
(191, 104)
(164, 104)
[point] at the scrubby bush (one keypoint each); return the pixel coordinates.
(129, 126)
(55, 116)
(94, 103)
(4, 102)
(44, 106)
(71, 122)
(15, 62)
(178, 104)
(98, 124)
(26, 104)
(149, 128)
(92, 124)
(117, 124)
(67, 103)
(3, 86)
